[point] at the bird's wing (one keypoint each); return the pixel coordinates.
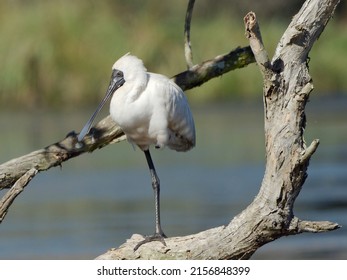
(180, 119)
(173, 105)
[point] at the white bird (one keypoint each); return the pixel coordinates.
(151, 110)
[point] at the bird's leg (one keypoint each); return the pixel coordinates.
(159, 234)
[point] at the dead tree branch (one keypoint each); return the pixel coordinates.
(202, 73)
(287, 86)
(256, 43)
(187, 45)
(17, 188)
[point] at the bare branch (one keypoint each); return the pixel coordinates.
(187, 45)
(17, 188)
(106, 131)
(309, 151)
(53, 155)
(303, 31)
(299, 226)
(213, 68)
(256, 43)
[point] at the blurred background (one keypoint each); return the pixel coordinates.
(56, 59)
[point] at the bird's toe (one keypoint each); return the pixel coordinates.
(156, 237)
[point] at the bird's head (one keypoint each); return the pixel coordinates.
(127, 69)
(117, 80)
(131, 66)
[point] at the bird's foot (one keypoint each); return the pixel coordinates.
(150, 238)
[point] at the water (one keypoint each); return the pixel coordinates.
(97, 201)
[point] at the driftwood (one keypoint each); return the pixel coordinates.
(287, 86)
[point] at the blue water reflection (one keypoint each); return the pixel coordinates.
(96, 201)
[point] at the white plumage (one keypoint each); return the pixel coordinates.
(151, 110)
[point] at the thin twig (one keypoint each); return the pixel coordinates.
(299, 226)
(187, 45)
(221, 64)
(309, 151)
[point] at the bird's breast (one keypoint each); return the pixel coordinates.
(128, 114)
(134, 120)
(157, 115)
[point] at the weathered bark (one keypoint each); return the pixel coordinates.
(188, 53)
(287, 86)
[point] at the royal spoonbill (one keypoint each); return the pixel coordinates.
(151, 110)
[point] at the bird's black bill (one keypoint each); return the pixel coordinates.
(117, 80)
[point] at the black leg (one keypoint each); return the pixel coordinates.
(159, 234)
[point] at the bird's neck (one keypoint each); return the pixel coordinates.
(137, 86)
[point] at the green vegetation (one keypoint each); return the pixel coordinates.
(59, 53)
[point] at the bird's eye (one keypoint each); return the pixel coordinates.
(117, 74)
